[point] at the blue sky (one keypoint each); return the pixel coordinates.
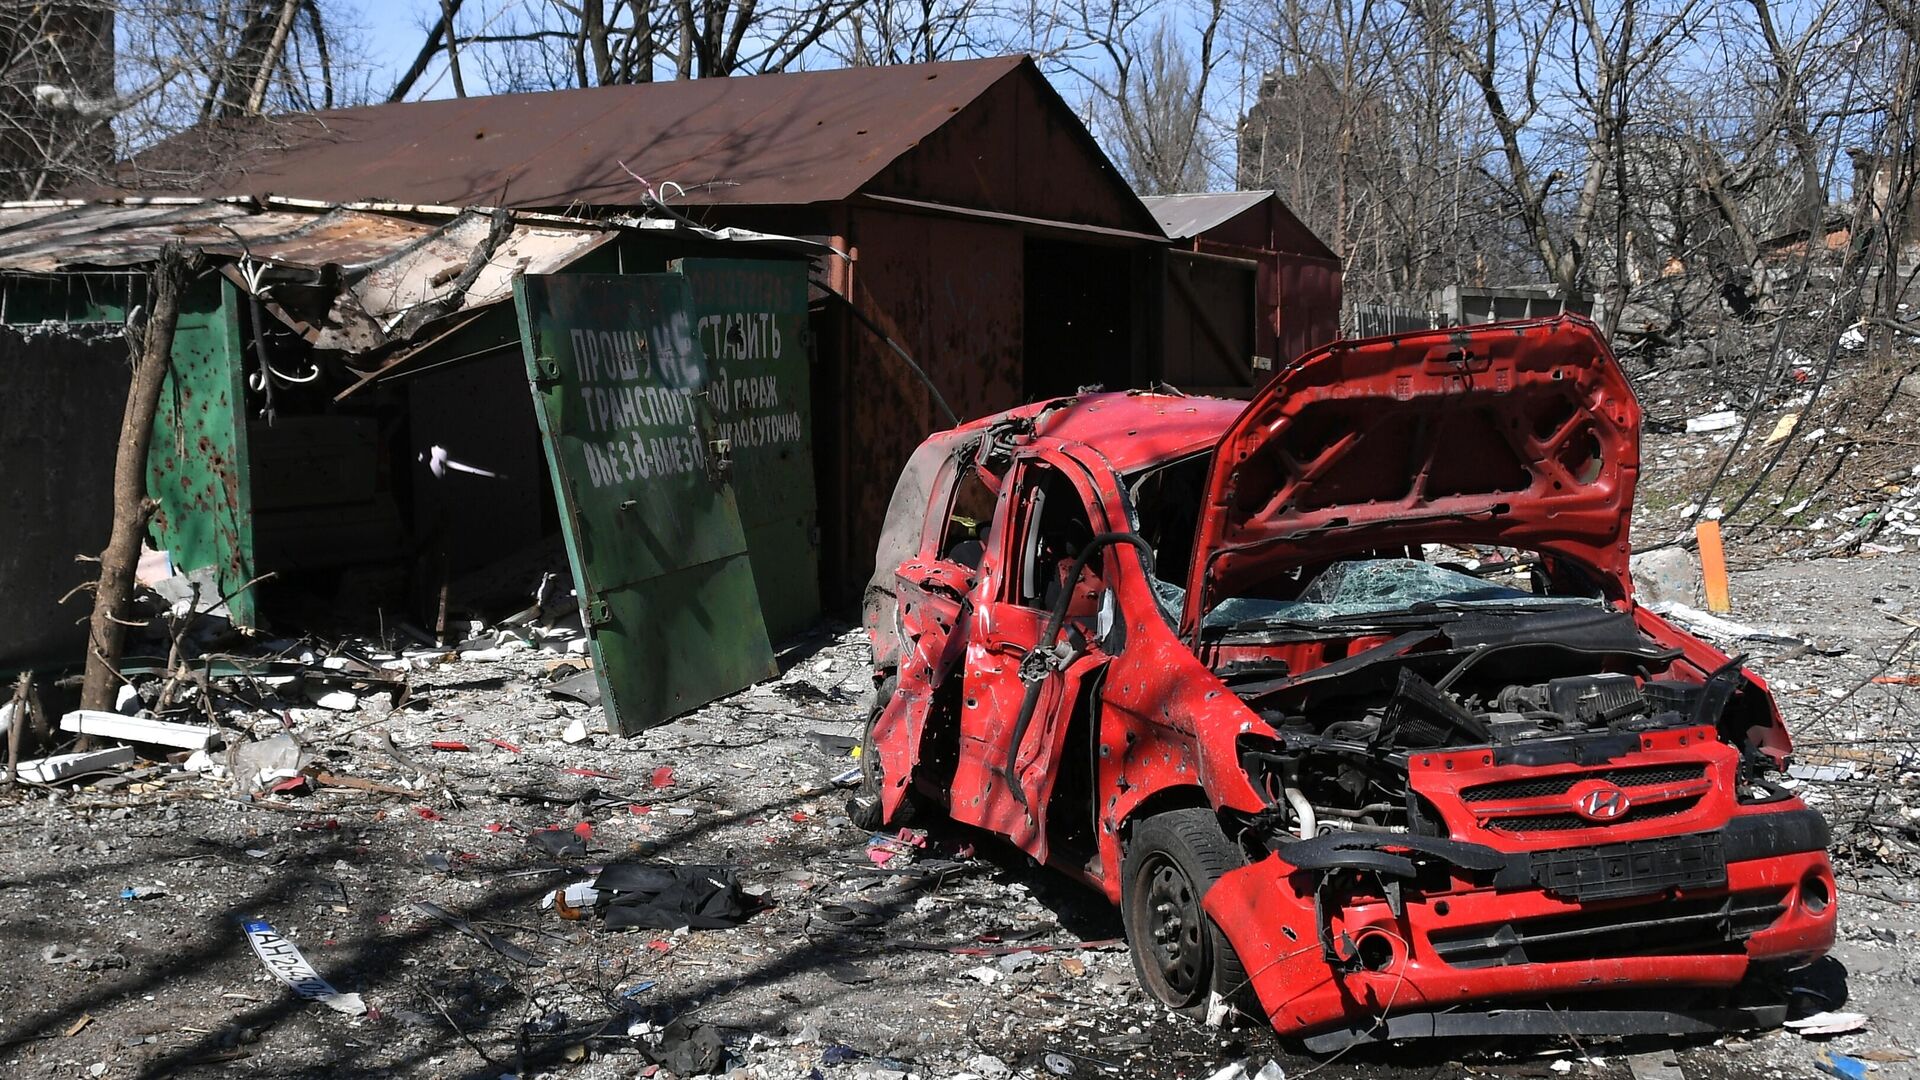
(394, 30)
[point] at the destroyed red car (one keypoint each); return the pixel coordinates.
(1343, 697)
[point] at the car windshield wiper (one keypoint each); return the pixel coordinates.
(1499, 607)
(1419, 609)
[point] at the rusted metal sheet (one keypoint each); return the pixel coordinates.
(651, 521)
(1018, 149)
(54, 235)
(197, 466)
(950, 293)
(776, 140)
(395, 272)
(1300, 305)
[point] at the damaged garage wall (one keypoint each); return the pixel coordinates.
(197, 464)
(56, 470)
(345, 423)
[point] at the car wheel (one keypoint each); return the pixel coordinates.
(864, 807)
(1179, 955)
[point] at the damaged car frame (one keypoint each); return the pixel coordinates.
(1343, 697)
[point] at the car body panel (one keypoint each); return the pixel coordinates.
(1524, 434)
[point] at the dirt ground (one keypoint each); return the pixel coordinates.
(958, 959)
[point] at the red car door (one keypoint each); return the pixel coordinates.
(1045, 522)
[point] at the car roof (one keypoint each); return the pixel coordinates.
(1132, 429)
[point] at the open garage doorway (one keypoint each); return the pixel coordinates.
(1079, 315)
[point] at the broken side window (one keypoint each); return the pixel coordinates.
(964, 533)
(1166, 501)
(1054, 527)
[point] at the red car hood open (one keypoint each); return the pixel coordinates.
(1523, 434)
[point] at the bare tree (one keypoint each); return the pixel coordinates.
(86, 82)
(1558, 83)
(915, 31)
(1371, 138)
(1147, 87)
(558, 44)
(56, 94)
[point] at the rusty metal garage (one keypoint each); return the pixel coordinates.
(978, 224)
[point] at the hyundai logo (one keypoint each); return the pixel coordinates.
(1600, 801)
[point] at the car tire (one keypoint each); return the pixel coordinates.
(1180, 957)
(864, 807)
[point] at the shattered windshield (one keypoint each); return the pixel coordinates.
(1376, 586)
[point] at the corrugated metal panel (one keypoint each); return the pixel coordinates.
(761, 140)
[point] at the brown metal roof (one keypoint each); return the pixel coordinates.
(765, 140)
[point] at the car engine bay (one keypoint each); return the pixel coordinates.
(1354, 698)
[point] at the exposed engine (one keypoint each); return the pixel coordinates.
(1348, 728)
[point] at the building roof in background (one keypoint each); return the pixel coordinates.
(765, 140)
(387, 269)
(1183, 217)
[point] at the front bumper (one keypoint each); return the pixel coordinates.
(1332, 949)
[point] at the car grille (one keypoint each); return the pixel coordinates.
(1563, 822)
(1671, 928)
(1543, 787)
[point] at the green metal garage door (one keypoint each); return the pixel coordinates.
(652, 524)
(752, 319)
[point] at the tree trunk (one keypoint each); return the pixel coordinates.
(270, 61)
(131, 507)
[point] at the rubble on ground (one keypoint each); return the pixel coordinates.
(395, 845)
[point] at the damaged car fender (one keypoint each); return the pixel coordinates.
(1746, 708)
(933, 635)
